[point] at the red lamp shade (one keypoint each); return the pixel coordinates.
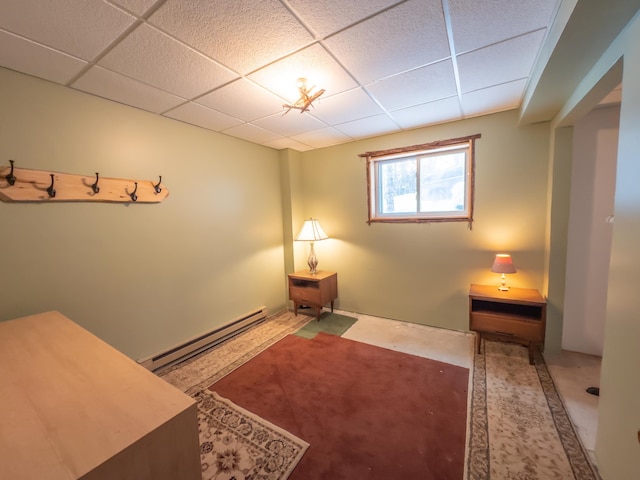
(503, 264)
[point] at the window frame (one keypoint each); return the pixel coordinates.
(416, 151)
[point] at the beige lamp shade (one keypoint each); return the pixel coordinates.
(311, 231)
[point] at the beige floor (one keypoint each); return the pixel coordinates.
(448, 346)
(572, 372)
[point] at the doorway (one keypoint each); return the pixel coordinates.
(577, 367)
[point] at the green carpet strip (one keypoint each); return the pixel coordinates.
(332, 323)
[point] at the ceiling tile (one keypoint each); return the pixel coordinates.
(417, 86)
(107, 84)
(494, 99)
(152, 57)
(368, 127)
(329, 16)
(478, 23)
(410, 35)
(323, 137)
(444, 110)
(499, 63)
(77, 27)
(136, 6)
(31, 58)
(384, 65)
(221, 29)
(345, 107)
(243, 99)
(313, 63)
(290, 124)
(283, 143)
(249, 132)
(203, 117)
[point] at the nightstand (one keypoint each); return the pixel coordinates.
(518, 315)
(313, 289)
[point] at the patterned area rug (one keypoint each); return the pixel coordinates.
(519, 428)
(203, 370)
(235, 444)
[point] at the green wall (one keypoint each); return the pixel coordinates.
(145, 277)
(421, 272)
(141, 277)
(559, 195)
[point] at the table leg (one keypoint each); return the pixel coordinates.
(531, 347)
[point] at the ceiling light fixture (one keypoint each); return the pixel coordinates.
(307, 97)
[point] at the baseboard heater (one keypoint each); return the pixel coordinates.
(201, 342)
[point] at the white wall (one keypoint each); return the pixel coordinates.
(595, 139)
(617, 446)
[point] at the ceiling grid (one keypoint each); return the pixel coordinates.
(386, 65)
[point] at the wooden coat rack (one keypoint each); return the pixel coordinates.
(26, 185)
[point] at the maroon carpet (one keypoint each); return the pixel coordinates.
(367, 412)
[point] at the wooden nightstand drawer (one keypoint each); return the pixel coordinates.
(305, 295)
(525, 329)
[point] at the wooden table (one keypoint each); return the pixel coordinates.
(73, 407)
(313, 289)
(517, 315)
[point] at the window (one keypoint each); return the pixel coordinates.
(423, 183)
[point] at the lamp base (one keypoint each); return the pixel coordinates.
(312, 261)
(503, 284)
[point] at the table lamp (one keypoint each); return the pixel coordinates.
(311, 231)
(503, 264)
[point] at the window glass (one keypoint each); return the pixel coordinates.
(397, 186)
(443, 181)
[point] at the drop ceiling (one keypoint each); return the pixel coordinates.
(230, 65)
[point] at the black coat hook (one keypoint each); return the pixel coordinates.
(11, 178)
(95, 186)
(133, 195)
(50, 190)
(156, 187)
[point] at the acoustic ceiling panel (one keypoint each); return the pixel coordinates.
(229, 66)
(243, 34)
(107, 84)
(411, 35)
(80, 28)
(152, 57)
